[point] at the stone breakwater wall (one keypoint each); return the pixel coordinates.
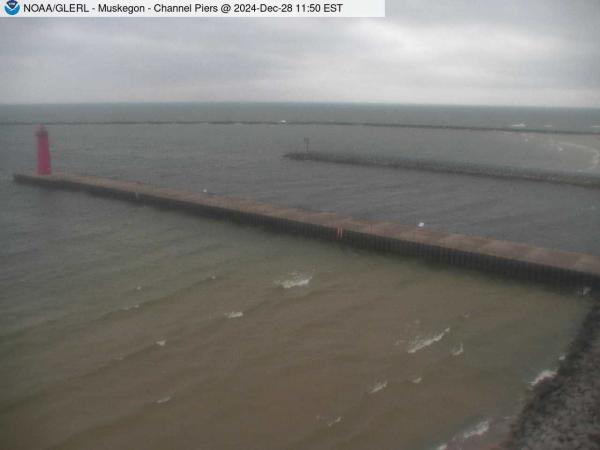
(464, 168)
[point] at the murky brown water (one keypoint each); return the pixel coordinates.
(132, 327)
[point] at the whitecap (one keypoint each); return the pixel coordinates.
(234, 314)
(138, 288)
(518, 125)
(163, 400)
(584, 291)
(129, 308)
(562, 357)
(420, 343)
(442, 447)
(334, 421)
(416, 380)
(421, 224)
(161, 343)
(478, 430)
(595, 161)
(296, 280)
(543, 375)
(378, 387)
(458, 350)
(595, 126)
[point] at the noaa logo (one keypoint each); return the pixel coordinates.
(12, 7)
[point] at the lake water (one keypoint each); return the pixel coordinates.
(124, 326)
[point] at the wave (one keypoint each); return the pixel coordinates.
(379, 386)
(458, 350)
(583, 291)
(97, 370)
(542, 376)
(296, 280)
(419, 343)
(338, 419)
(459, 439)
(129, 308)
(329, 420)
(595, 159)
(595, 162)
(477, 430)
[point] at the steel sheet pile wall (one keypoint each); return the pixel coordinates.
(512, 259)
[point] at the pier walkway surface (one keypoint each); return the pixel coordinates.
(512, 259)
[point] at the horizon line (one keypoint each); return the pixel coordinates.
(245, 102)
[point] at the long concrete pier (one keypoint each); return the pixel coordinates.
(512, 259)
(588, 180)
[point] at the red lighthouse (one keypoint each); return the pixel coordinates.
(43, 152)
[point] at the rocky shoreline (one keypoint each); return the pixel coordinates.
(564, 411)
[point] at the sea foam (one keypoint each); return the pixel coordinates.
(458, 350)
(334, 421)
(295, 280)
(379, 386)
(543, 375)
(419, 343)
(478, 430)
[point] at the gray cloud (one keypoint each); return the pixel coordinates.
(485, 52)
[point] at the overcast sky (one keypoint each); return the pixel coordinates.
(521, 52)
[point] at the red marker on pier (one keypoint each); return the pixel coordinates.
(43, 152)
